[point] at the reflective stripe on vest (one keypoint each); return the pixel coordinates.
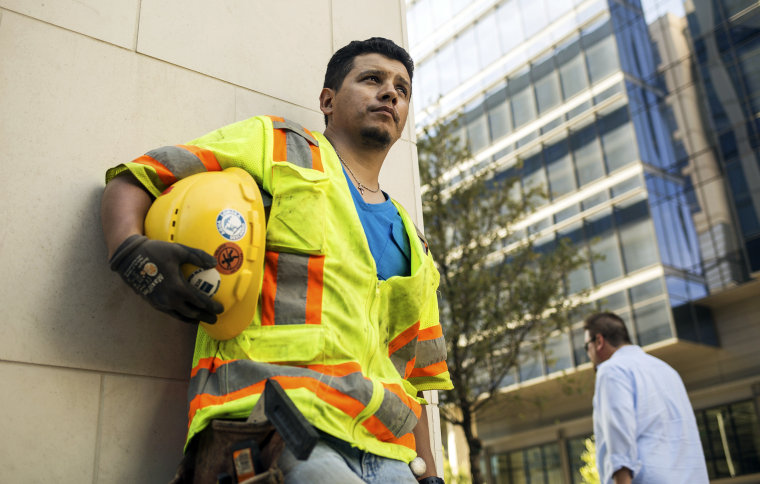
(174, 162)
(292, 286)
(431, 346)
(291, 292)
(214, 381)
(295, 144)
(402, 350)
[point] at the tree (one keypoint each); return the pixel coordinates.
(589, 473)
(502, 289)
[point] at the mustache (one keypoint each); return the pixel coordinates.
(388, 109)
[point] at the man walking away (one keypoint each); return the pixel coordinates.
(644, 424)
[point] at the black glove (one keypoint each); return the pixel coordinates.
(153, 269)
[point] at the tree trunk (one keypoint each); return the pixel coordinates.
(474, 445)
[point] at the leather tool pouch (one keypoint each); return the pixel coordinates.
(210, 453)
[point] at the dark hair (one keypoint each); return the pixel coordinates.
(342, 61)
(609, 325)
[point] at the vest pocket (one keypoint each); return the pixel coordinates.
(297, 218)
(290, 343)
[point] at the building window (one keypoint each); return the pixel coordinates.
(557, 353)
(523, 100)
(539, 464)
(636, 234)
(601, 53)
(587, 154)
(618, 142)
(508, 18)
(604, 242)
(560, 168)
(572, 69)
(730, 437)
(575, 449)
(499, 118)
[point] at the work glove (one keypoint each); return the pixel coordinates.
(152, 268)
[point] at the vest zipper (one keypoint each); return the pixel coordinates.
(372, 340)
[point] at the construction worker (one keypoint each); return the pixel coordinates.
(347, 317)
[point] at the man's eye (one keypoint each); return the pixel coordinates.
(373, 78)
(402, 90)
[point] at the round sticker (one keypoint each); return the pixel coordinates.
(206, 281)
(229, 258)
(231, 224)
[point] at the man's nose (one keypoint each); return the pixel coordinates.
(388, 92)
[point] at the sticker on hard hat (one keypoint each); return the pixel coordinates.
(206, 281)
(229, 258)
(231, 224)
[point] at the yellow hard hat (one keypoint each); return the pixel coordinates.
(221, 212)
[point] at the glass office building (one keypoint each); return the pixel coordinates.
(645, 136)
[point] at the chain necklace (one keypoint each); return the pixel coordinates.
(359, 184)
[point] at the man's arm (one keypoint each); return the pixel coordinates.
(422, 438)
(617, 417)
(122, 210)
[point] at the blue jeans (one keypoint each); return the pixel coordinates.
(336, 462)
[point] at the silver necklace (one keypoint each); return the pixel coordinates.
(359, 184)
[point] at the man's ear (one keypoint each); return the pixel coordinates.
(326, 98)
(599, 341)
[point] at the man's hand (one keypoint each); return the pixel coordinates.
(622, 476)
(152, 268)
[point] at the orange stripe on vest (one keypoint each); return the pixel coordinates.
(211, 364)
(341, 401)
(432, 332)
(410, 402)
(208, 158)
(341, 369)
(316, 155)
(379, 430)
(430, 370)
(269, 288)
(404, 338)
(166, 177)
(314, 290)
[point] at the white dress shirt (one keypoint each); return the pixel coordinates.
(643, 420)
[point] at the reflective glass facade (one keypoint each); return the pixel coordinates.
(730, 436)
(538, 464)
(579, 93)
(726, 43)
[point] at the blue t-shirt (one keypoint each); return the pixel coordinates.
(385, 233)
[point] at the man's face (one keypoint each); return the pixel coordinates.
(372, 102)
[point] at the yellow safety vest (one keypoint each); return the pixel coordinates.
(350, 350)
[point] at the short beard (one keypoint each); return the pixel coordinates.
(375, 138)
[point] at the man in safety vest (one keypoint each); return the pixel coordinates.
(347, 317)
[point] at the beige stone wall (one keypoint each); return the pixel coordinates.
(94, 380)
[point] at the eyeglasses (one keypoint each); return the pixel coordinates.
(585, 345)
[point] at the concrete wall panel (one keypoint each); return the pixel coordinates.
(113, 21)
(50, 427)
(262, 46)
(399, 178)
(249, 103)
(79, 107)
(151, 433)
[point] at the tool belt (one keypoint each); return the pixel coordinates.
(210, 455)
(246, 452)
